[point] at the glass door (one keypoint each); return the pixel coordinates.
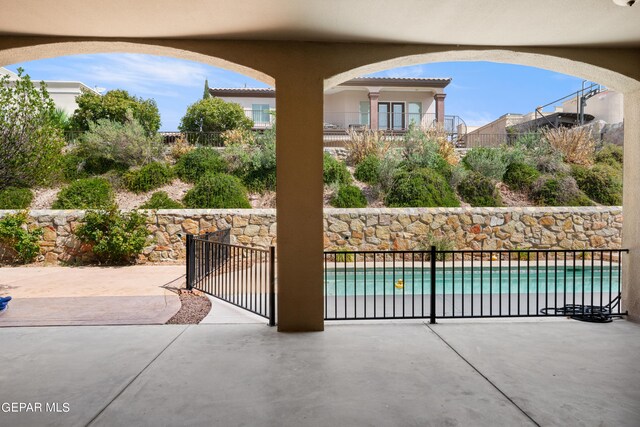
(397, 117)
(384, 118)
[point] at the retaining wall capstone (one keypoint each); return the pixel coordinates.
(352, 229)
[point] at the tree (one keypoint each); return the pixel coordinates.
(114, 106)
(206, 93)
(214, 115)
(30, 141)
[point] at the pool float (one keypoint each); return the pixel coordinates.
(399, 284)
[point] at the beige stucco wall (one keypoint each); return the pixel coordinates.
(301, 71)
(607, 106)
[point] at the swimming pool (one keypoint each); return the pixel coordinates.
(358, 281)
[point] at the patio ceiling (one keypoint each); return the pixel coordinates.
(470, 22)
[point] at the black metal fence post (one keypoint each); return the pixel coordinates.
(432, 296)
(272, 286)
(191, 261)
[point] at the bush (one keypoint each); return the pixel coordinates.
(148, 177)
(114, 143)
(335, 171)
(348, 196)
(88, 193)
(217, 191)
(520, 176)
(15, 198)
(558, 191)
(478, 190)
(115, 237)
(30, 141)
(602, 183)
(489, 162)
(117, 106)
(368, 170)
(214, 115)
(180, 147)
(610, 154)
(199, 162)
(161, 200)
(364, 143)
(576, 144)
(15, 234)
(424, 149)
(73, 167)
(420, 188)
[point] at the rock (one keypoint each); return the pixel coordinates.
(190, 226)
(240, 221)
(252, 230)
(49, 234)
(547, 221)
(339, 227)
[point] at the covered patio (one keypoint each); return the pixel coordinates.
(553, 372)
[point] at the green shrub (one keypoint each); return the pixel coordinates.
(478, 190)
(217, 191)
(161, 200)
(118, 106)
(602, 183)
(558, 191)
(489, 162)
(15, 234)
(15, 198)
(348, 196)
(88, 193)
(368, 170)
(72, 167)
(30, 141)
(520, 176)
(611, 155)
(195, 164)
(425, 148)
(335, 171)
(120, 143)
(148, 177)
(214, 115)
(116, 237)
(420, 188)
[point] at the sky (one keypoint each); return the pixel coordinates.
(479, 91)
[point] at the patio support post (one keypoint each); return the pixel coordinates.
(299, 99)
(439, 97)
(373, 110)
(631, 201)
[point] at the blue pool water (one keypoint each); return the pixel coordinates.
(450, 280)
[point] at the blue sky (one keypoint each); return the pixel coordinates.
(479, 92)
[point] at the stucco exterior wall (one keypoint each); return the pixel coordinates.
(607, 106)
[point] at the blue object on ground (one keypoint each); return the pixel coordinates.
(4, 302)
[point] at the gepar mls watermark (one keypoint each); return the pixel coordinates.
(35, 407)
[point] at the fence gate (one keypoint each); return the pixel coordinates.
(239, 275)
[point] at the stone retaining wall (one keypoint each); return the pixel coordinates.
(363, 229)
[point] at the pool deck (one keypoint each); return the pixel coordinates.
(455, 373)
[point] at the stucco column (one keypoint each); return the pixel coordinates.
(631, 203)
(299, 99)
(373, 110)
(439, 97)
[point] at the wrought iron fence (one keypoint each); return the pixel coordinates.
(436, 284)
(239, 275)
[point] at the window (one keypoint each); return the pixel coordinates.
(415, 113)
(260, 113)
(365, 111)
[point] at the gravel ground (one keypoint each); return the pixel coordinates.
(195, 307)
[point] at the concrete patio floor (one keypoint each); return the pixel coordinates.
(563, 373)
(45, 296)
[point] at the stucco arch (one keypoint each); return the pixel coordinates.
(55, 49)
(548, 61)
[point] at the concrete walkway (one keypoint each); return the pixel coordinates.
(51, 296)
(562, 373)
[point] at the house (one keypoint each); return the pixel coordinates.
(599, 105)
(63, 93)
(384, 103)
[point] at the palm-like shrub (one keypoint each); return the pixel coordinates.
(576, 144)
